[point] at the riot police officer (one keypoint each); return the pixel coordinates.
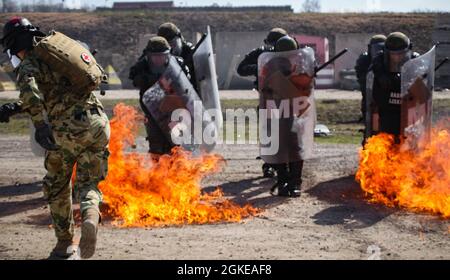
(387, 80)
(249, 67)
(145, 73)
(363, 64)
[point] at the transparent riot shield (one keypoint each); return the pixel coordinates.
(417, 84)
(372, 118)
(286, 85)
(205, 73)
(175, 106)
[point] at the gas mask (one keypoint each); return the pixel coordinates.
(15, 60)
(176, 45)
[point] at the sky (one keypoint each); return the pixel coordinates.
(327, 5)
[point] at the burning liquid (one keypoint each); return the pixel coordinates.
(140, 192)
(416, 178)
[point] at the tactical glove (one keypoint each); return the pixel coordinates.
(44, 136)
(7, 110)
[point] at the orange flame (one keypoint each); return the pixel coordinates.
(413, 176)
(141, 192)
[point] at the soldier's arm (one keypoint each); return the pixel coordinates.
(137, 76)
(30, 100)
(362, 66)
(249, 66)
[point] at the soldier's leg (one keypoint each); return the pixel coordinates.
(57, 191)
(282, 179)
(295, 178)
(92, 167)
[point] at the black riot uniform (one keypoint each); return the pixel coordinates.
(249, 66)
(387, 81)
(363, 64)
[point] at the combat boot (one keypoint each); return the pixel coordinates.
(294, 189)
(89, 228)
(282, 179)
(295, 178)
(284, 190)
(268, 171)
(63, 250)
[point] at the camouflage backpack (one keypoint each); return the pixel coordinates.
(69, 58)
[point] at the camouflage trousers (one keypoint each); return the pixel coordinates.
(83, 141)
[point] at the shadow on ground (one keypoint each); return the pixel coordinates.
(20, 189)
(254, 191)
(350, 207)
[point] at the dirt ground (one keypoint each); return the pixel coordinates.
(331, 220)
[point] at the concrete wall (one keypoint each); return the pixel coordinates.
(356, 44)
(230, 49)
(442, 34)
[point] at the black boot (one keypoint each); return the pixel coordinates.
(268, 170)
(282, 179)
(295, 178)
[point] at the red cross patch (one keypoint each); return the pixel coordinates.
(86, 58)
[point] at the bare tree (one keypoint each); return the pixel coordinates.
(311, 6)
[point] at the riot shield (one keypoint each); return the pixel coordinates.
(417, 84)
(205, 73)
(372, 118)
(286, 83)
(174, 91)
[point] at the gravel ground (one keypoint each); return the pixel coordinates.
(331, 220)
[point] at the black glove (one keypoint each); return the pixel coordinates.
(7, 110)
(44, 136)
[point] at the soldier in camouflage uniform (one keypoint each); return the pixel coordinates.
(72, 127)
(249, 67)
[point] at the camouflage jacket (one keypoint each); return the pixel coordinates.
(44, 92)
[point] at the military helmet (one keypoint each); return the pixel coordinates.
(376, 39)
(285, 44)
(397, 41)
(17, 35)
(274, 35)
(157, 44)
(169, 31)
